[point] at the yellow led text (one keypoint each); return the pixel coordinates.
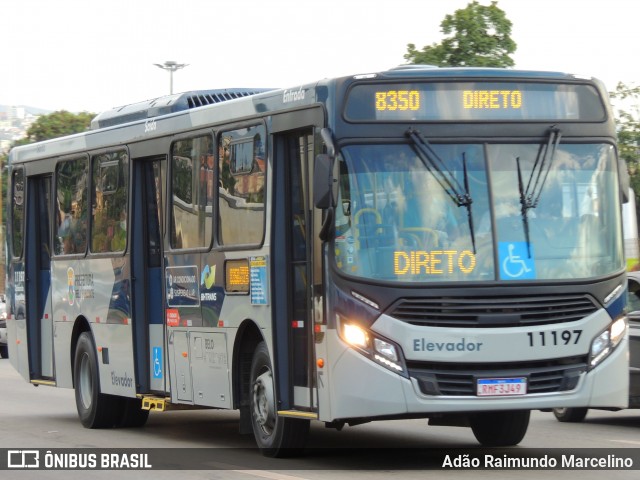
(436, 262)
(503, 99)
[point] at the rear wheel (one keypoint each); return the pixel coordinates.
(95, 409)
(570, 415)
(276, 436)
(500, 429)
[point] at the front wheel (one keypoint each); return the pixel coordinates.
(570, 415)
(4, 351)
(276, 436)
(95, 409)
(500, 429)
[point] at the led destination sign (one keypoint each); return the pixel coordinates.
(474, 101)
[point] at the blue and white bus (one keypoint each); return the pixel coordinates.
(416, 243)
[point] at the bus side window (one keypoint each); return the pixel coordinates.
(243, 166)
(191, 205)
(17, 217)
(109, 203)
(71, 206)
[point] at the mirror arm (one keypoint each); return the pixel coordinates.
(327, 225)
(327, 138)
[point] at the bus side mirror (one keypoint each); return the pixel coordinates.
(325, 182)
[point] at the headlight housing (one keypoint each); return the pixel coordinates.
(607, 341)
(381, 350)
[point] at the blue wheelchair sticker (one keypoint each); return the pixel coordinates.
(516, 261)
(157, 362)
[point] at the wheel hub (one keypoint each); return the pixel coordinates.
(263, 402)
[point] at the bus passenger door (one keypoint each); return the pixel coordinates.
(38, 278)
(147, 287)
(292, 252)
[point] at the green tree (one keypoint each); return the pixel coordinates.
(479, 37)
(628, 124)
(58, 124)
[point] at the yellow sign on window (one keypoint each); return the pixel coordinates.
(237, 275)
(496, 99)
(435, 262)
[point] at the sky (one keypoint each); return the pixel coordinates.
(80, 55)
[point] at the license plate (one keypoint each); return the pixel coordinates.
(500, 387)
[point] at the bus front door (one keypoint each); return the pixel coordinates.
(40, 326)
(147, 287)
(293, 305)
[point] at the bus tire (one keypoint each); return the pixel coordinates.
(4, 351)
(570, 415)
(133, 416)
(276, 436)
(500, 429)
(95, 409)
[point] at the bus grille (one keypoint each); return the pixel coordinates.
(453, 379)
(483, 312)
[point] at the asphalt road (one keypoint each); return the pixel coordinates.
(46, 418)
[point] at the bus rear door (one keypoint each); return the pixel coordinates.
(147, 287)
(38, 279)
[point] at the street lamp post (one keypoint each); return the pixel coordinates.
(171, 66)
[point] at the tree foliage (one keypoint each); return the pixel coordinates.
(480, 36)
(628, 124)
(58, 124)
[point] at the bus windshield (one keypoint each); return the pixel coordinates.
(464, 216)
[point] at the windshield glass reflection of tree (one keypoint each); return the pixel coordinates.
(397, 222)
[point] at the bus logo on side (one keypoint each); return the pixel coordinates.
(150, 126)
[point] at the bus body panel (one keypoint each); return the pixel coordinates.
(482, 345)
(18, 346)
(367, 390)
(90, 289)
(64, 352)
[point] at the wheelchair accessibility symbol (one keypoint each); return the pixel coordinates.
(516, 261)
(157, 362)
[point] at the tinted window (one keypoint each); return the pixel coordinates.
(71, 206)
(192, 186)
(242, 186)
(17, 216)
(109, 203)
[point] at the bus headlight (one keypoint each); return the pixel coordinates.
(355, 336)
(382, 351)
(607, 341)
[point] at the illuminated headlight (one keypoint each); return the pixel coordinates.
(355, 336)
(380, 350)
(607, 341)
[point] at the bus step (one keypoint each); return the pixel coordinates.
(298, 414)
(162, 404)
(156, 404)
(38, 382)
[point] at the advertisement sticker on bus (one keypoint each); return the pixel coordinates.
(259, 281)
(173, 317)
(183, 287)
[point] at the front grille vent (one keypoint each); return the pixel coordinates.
(487, 312)
(544, 376)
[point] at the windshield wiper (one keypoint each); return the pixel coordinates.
(530, 196)
(444, 176)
